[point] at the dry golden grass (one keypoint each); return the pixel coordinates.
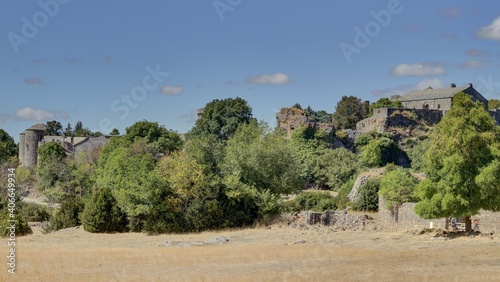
(254, 255)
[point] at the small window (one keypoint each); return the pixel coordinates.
(439, 106)
(292, 127)
(425, 106)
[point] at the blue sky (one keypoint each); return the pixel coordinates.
(112, 63)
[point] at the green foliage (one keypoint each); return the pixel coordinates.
(8, 149)
(165, 140)
(335, 167)
(461, 163)
(102, 214)
(52, 171)
(417, 154)
(307, 149)
(20, 223)
(385, 103)
(221, 118)
(315, 201)
(68, 215)
(348, 112)
(114, 132)
(53, 128)
(81, 131)
(378, 149)
(371, 155)
(493, 104)
(342, 201)
(397, 187)
(257, 159)
(368, 196)
(35, 212)
(318, 116)
(132, 179)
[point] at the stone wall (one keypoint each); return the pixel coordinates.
(383, 118)
(405, 218)
(291, 118)
(432, 104)
(91, 143)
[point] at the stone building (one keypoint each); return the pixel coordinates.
(33, 137)
(291, 118)
(440, 98)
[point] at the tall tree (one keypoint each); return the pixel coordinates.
(53, 128)
(385, 103)
(221, 118)
(348, 112)
(165, 140)
(68, 131)
(462, 164)
(8, 148)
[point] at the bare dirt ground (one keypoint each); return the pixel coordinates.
(276, 253)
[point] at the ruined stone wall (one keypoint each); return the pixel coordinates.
(383, 118)
(91, 143)
(405, 218)
(291, 118)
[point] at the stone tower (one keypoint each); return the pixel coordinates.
(28, 144)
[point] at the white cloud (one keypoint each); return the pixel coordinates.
(475, 52)
(471, 64)
(419, 69)
(406, 88)
(451, 13)
(31, 114)
(172, 90)
(490, 32)
(276, 79)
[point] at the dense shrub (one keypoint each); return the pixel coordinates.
(21, 224)
(102, 214)
(368, 196)
(35, 212)
(315, 201)
(342, 201)
(68, 215)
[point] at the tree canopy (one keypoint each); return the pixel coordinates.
(385, 103)
(8, 148)
(349, 111)
(462, 164)
(165, 140)
(221, 118)
(53, 128)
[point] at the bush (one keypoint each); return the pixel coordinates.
(68, 215)
(35, 212)
(315, 201)
(368, 196)
(342, 201)
(21, 224)
(102, 214)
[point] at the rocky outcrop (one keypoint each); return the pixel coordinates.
(362, 179)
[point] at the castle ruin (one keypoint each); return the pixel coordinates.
(33, 137)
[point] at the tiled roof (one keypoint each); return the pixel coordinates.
(430, 93)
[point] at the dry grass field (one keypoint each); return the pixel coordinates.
(260, 254)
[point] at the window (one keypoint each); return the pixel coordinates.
(439, 106)
(425, 106)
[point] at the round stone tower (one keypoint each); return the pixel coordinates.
(32, 136)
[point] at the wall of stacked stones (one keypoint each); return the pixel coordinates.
(405, 218)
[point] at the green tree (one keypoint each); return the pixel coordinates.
(461, 163)
(8, 148)
(258, 160)
(131, 177)
(68, 131)
(348, 112)
(114, 132)
(102, 214)
(165, 140)
(53, 128)
(397, 187)
(368, 196)
(493, 104)
(221, 118)
(385, 103)
(69, 213)
(371, 155)
(81, 131)
(335, 167)
(52, 170)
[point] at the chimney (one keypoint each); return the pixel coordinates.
(453, 85)
(470, 85)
